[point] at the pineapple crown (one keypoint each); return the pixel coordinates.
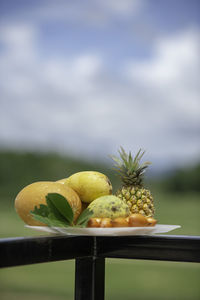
(130, 170)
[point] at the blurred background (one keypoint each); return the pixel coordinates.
(79, 79)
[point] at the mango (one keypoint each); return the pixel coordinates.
(35, 194)
(89, 185)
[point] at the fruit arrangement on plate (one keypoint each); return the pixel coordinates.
(85, 199)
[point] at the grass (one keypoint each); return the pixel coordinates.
(128, 279)
(152, 280)
(179, 210)
(55, 279)
(141, 279)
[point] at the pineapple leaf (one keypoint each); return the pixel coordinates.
(140, 156)
(137, 158)
(116, 159)
(129, 168)
(124, 157)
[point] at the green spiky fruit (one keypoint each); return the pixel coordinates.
(109, 207)
(131, 173)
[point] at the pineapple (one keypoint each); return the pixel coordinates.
(131, 173)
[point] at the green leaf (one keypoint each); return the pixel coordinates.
(39, 218)
(43, 210)
(84, 217)
(54, 213)
(60, 207)
(58, 213)
(44, 215)
(58, 221)
(48, 221)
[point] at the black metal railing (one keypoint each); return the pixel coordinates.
(90, 253)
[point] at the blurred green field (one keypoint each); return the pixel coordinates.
(129, 279)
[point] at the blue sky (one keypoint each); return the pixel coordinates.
(85, 77)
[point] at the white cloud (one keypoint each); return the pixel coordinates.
(14, 36)
(172, 57)
(18, 41)
(77, 104)
(172, 75)
(73, 75)
(170, 82)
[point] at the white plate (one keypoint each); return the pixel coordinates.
(119, 231)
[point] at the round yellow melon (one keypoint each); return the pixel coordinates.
(35, 194)
(89, 185)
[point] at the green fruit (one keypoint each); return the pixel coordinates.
(109, 207)
(89, 185)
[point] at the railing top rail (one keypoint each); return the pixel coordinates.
(30, 250)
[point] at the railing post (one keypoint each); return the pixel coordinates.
(90, 278)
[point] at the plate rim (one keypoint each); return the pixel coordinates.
(113, 231)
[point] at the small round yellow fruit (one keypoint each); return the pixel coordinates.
(94, 222)
(151, 221)
(89, 185)
(120, 222)
(106, 222)
(137, 220)
(35, 194)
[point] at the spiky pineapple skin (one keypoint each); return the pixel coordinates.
(138, 199)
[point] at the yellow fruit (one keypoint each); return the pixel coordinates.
(137, 220)
(62, 181)
(106, 222)
(94, 222)
(35, 193)
(151, 221)
(120, 222)
(89, 185)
